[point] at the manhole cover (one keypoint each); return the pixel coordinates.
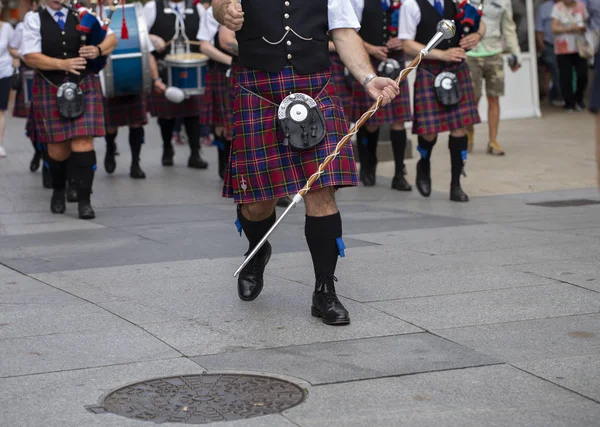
(566, 203)
(202, 399)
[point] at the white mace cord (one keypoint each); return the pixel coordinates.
(445, 30)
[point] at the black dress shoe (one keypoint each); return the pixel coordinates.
(72, 195)
(46, 177)
(250, 281)
(457, 194)
(110, 163)
(423, 180)
(136, 172)
(326, 305)
(401, 184)
(196, 162)
(58, 204)
(366, 177)
(284, 202)
(85, 210)
(167, 157)
(35, 162)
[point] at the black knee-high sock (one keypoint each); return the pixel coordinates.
(255, 230)
(84, 166)
(398, 138)
(136, 139)
(362, 144)
(425, 148)
(192, 128)
(166, 132)
(111, 146)
(372, 142)
(458, 154)
(321, 235)
(36, 148)
(58, 171)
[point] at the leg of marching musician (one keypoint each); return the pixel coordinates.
(192, 128)
(58, 156)
(83, 158)
(136, 139)
(166, 132)
(110, 163)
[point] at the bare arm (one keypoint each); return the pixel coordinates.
(213, 53)
(558, 28)
(509, 31)
(539, 38)
(228, 41)
(352, 51)
(109, 44)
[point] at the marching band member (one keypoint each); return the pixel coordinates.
(129, 110)
(162, 23)
(220, 86)
(449, 106)
(283, 49)
(379, 31)
(24, 111)
(6, 72)
(67, 124)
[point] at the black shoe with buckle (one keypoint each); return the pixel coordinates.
(136, 171)
(326, 305)
(58, 204)
(250, 282)
(197, 162)
(457, 194)
(400, 183)
(423, 180)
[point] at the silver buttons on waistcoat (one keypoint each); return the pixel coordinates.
(289, 43)
(289, 56)
(287, 3)
(286, 15)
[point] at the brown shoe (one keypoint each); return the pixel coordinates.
(494, 149)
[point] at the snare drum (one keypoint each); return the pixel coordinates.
(27, 76)
(127, 70)
(187, 71)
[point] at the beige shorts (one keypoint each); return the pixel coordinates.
(490, 68)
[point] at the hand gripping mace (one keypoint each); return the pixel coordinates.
(445, 30)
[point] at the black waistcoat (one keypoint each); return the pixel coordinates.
(374, 23)
(271, 19)
(61, 44)
(164, 27)
(429, 20)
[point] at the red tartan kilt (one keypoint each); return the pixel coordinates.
(222, 94)
(125, 111)
(159, 106)
(430, 116)
(261, 168)
(20, 109)
(342, 89)
(396, 112)
(51, 128)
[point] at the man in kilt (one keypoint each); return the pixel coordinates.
(195, 109)
(129, 110)
(220, 85)
(433, 112)
(23, 110)
(379, 30)
(52, 45)
(283, 49)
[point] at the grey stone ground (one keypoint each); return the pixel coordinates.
(502, 329)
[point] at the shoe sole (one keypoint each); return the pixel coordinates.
(314, 311)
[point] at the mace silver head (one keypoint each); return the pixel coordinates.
(447, 27)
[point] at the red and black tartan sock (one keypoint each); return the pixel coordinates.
(322, 234)
(136, 139)
(255, 230)
(398, 138)
(458, 151)
(167, 127)
(58, 171)
(111, 146)
(84, 166)
(192, 128)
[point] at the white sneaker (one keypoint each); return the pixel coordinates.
(2, 151)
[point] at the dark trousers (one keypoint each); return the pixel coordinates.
(566, 64)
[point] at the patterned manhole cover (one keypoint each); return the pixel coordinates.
(202, 399)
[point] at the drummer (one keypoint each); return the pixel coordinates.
(129, 110)
(23, 110)
(163, 19)
(220, 86)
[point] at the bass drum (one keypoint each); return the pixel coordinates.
(127, 70)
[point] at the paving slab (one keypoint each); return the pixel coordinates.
(40, 222)
(491, 396)
(584, 272)
(330, 362)
(578, 373)
(76, 350)
(532, 340)
(21, 289)
(497, 306)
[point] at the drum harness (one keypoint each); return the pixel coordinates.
(298, 116)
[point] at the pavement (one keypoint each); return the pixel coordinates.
(486, 313)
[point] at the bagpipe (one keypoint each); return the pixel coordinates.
(468, 17)
(92, 32)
